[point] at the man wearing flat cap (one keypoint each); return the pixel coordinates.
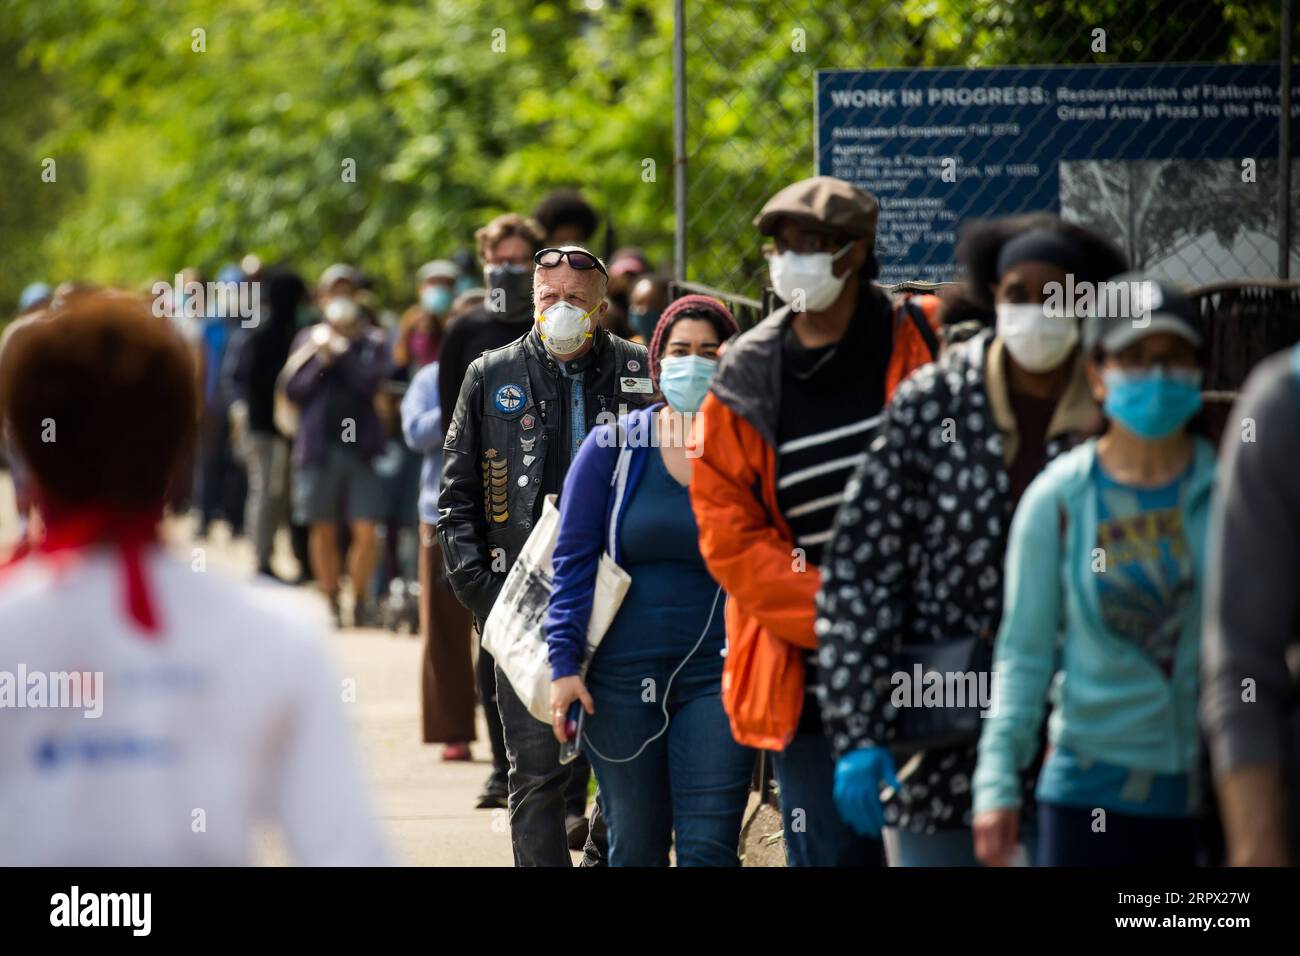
(787, 419)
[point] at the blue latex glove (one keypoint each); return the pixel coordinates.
(859, 775)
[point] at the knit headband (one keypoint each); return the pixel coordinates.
(1042, 245)
(701, 307)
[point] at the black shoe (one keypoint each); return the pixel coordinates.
(265, 571)
(576, 829)
(495, 795)
(336, 616)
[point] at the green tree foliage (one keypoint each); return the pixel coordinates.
(454, 111)
(451, 113)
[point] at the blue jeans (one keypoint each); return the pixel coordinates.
(692, 782)
(814, 833)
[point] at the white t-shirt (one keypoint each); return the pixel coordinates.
(229, 716)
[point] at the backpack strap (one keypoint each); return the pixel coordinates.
(917, 314)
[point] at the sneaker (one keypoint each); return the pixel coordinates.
(495, 793)
(456, 752)
(576, 829)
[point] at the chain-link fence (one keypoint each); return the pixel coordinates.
(751, 74)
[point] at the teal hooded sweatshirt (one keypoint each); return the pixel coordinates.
(1111, 701)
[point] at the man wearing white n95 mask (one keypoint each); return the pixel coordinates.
(523, 411)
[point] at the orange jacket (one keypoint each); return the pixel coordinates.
(745, 541)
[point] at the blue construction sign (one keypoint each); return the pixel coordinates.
(1125, 148)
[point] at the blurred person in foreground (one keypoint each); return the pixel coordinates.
(33, 304)
(1251, 675)
(336, 367)
(522, 414)
(204, 692)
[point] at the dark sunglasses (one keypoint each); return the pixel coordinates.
(582, 261)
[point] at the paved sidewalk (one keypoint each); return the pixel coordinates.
(427, 806)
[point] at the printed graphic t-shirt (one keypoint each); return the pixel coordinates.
(1147, 585)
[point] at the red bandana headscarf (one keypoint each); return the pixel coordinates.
(72, 530)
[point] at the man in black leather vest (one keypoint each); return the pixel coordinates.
(522, 412)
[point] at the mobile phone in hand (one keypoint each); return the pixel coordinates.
(573, 722)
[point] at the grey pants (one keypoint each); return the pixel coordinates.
(267, 461)
(538, 783)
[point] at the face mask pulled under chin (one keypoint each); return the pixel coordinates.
(807, 281)
(1037, 341)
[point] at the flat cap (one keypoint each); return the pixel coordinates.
(824, 203)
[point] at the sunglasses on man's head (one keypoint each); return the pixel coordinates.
(582, 261)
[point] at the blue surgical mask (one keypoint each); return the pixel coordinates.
(435, 299)
(684, 380)
(643, 322)
(1152, 403)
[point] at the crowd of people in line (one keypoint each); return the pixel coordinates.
(862, 491)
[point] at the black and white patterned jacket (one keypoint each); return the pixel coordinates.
(917, 555)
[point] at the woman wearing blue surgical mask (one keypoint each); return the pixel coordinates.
(1105, 565)
(669, 772)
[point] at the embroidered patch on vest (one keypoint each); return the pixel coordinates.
(509, 398)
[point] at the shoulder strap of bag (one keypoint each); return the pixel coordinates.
(917, 314)
(296, 361)
(618, 485)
